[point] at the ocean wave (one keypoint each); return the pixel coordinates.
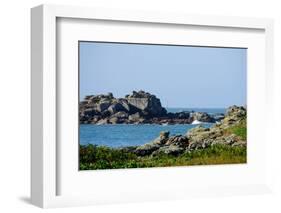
(197, 122)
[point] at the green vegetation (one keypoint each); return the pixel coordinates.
(239, 129)
(101, 157)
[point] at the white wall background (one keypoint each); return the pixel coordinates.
(15, 103)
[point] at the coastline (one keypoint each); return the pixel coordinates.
(224, 142)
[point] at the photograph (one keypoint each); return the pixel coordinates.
(161, 105)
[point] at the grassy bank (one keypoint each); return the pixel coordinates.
(101, 157)
(239, 129)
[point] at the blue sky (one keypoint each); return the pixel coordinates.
(181, 76)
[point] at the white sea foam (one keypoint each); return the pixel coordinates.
(196, 122)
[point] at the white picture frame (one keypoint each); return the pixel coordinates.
(45, 165)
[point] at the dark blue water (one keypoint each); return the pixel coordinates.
(117, 135)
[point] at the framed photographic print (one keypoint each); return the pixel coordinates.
(200, 118)
(130, 106)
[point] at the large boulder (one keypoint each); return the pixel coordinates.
(234, 115)
(95, 119)
(236, 111)
(116, 107)
(94, 99)
(102, 106)
(196, 130)
(239, 144)
(162, 138)
(146, 102)
(149, 148)
(125, 104)
(200, 137)
(102, 121)
(90, 112)
(218, 117)
(135, 117)
(105, 113)
(146, 149)
(169, 150)
(202, 116)
(114, 120)
(178, 140)
(119, 117)
(182, 115)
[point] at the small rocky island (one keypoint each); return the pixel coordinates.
(137, 108)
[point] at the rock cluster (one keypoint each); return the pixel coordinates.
(136, 108)
(198, 137)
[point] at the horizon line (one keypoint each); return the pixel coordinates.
(203, 107)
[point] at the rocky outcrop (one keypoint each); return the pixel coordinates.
(149, 148)
(203, 117)
(136, 108)
(147, 103)
(198, 137)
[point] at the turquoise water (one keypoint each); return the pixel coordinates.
(118, 135)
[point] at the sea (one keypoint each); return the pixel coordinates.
(120, 135)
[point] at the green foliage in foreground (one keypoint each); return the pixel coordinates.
(239, 130)
(101, 157)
